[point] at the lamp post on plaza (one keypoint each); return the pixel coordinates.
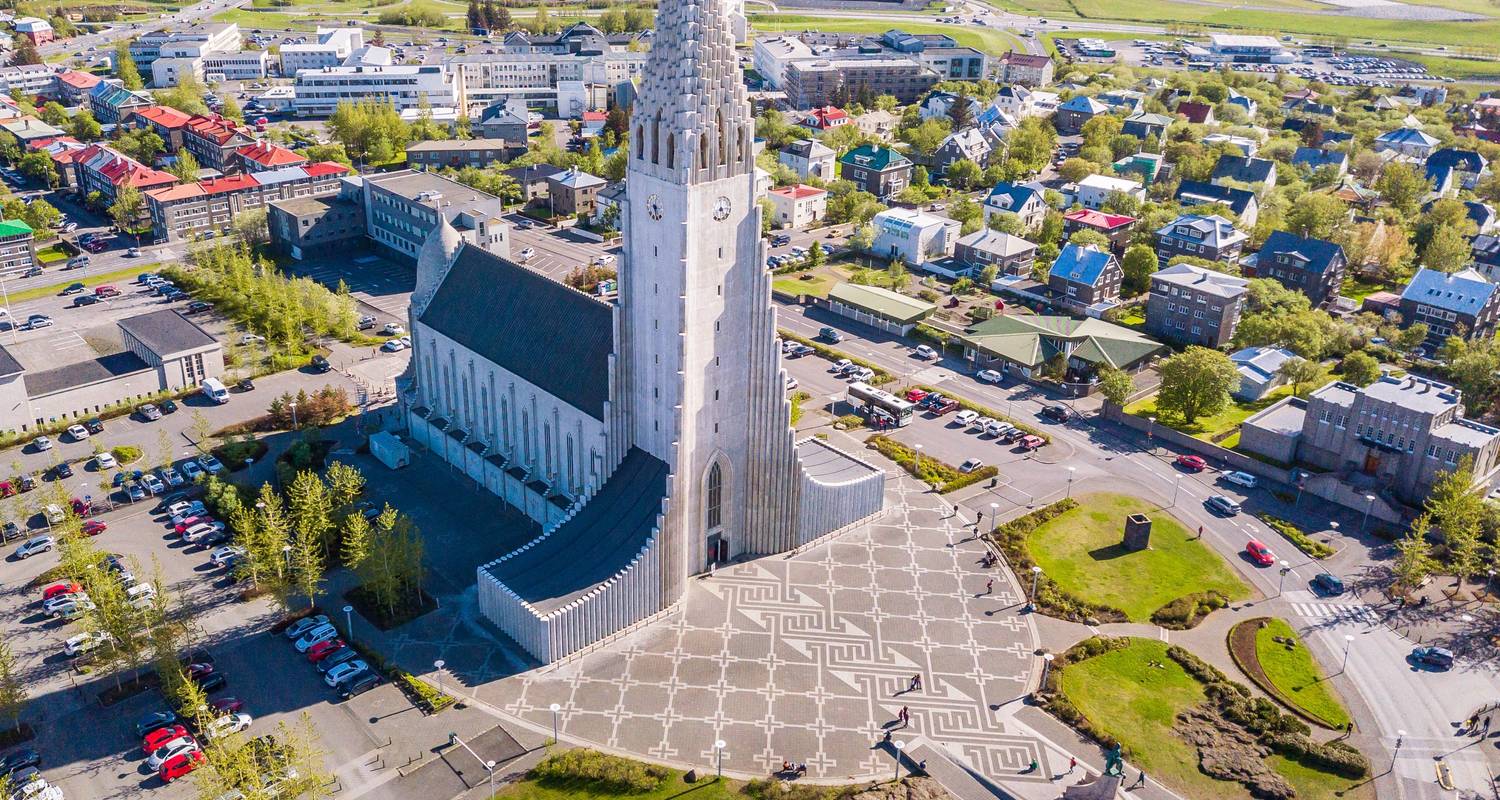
(899, 746)
(1071, 470)
(1036, 573)
(1348, 640)
(719, 757)
(1369, 505)
(438, 665)
(1046, 669)
(554, 708)
(1280, 582)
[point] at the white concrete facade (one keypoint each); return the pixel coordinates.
(319, 91)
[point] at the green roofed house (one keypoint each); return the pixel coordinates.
(880, 171)
(889, 311)
(1021, 345)
(17, 246)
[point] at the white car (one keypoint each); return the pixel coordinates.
(970, 465)
(998, 429)
(32, 546)
(344, 672)
(988, 376)
(322, 633)
(226, 554)
(201, 531)
(57, 604)
(176, 747)
(527, 253)
(841, 366)
(982, 423)
(186, 508)
(251, 338)
(393, 329)
(171, 476)
(153, 484)
(791, 383)
(42, 443)
(105, 461)
(1244, 479)
(84, 642)
(925, 352)
(301, 626)
(393, 346)
(966, 417)
(861, 374)
(78, 433)
(227, 724)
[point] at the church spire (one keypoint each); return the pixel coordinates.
(691, 121)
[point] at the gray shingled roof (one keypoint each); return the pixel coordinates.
(166, 332)
(549, 334)
(8, 363)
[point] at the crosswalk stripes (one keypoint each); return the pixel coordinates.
(1339, 612)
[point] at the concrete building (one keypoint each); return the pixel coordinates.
(195, 40)
(209, 207)
(332, 47)
(1310, 266)
(826, 81)
(319, 91)
(881, 171)
(264, 156)
(164, 121)
(912, 236)
(573, 192)
(1072, 114)
(401, 210)
(653, 434)
(17, 246)
(1463, 303)
(799, 206)
(98, 168)
(1026, 69)
(1193, 305)
(815, 68)
(561, 84)
(1208, 237)
(25, 130)
(810, 158)
(316, 226)
(29, 79)
(111, 103)
(1242, 49)
(1095, 190)
(1394, 438)
(457, 153)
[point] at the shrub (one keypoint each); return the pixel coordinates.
(126, 454)
(926, 469)
(606, 772)
(1189, 610)
(798, 398)
(969, 479)
(422, 694)
(1298, 537)
(850, 421)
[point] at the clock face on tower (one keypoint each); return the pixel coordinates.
(721, 208)
(653, 207)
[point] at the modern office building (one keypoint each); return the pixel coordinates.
(401, 209)
(407, 88)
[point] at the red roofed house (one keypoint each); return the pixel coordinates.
(593, 124)
(799, 206)
(1115, 227)
(167, 122)
(213, 140)
(825, 118)
(193, 209)
(264, 155)
(62, 150)
(1201, 113)
(73, 87)
(98, 168)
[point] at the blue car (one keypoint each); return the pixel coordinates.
(119, 480)
(1327, 585)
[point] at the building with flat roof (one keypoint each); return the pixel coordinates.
(401, 210)
(1243, 49)
(540, 81)
(319, 91)
(815, 68)
(332, 47)
(313, 226)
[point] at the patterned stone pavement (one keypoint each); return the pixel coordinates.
(802, 658)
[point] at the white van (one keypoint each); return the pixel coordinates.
(213, 389)
(140, 595)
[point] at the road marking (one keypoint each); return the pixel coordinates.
(1338, 612)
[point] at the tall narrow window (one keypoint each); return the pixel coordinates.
(713, 511)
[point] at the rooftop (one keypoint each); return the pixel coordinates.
(884, 302)
(1202, 280)
(1033, 340)
(166, 332)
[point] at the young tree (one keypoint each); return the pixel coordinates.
(128, 208)
(252, 226)
(345, 484)
(1414, 561)
(1196, 382)
(13, 694)
(1360, 368)
(1138, 264)
(185, 167)
(1458, 508)
(355, 546)
(963, 174)
(125, 67)
(1299, 372)
(84, 127)
(1316, 216)
(38, 166)
(1402, 186)
(1115, 385)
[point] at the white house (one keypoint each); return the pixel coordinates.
(810, 158)
(1095, 189)
(912, 236)
(799, 206)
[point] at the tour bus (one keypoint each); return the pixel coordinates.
(213, 389)
(882, 405)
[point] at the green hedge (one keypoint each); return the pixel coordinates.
(1298, 537)
(930, 470)
(605, 773)
(969, 479)
(422, 694)
(986, 411)
(826, 352)
(1189, 610)
(1049, 599)
(126, 454)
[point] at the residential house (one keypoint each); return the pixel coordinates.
(809, 158)
(1095, 190)
(532, 180)
(62, 151)
(1463, 303)
(1195, 112)
(504, 122)
(1451, 170)
(1486, 254)
(110, 102)
(1144, 125)
(1314, 158)
(39, 31)
(25, 130)
(1244, 145)
(264, 156)
(1193, 305)
(1086, 278)
(1408, 142)
(1122, 102)
(1212, 238)
(965, 145)
(1011, 255)
(213, 141)
(1250, 106)
(98, 168)
(1260, 370)
(825, 118)
(573, 192)
(798, 207)
(1242, 202)
(1025, 202)
(1075, 112)
(939, 105)
(164, 121)
(1146, 166)
(1115, 227)
(1026, 69)
(912, 236)
(1257, 172)
(881, 171)
(877, 124)
(1311, 266)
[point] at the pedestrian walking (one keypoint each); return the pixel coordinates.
(1072, 765)
(1486, 725)
(1200, 531)
(978, 518)
(1141, 780)
(916, 682)
(989, 586)
(904, 716)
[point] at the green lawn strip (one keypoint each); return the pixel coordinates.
(96, 279)
(812, 285)
(990, 40)
(51, 254)
(1288, 673)
(1314, 784)
(1357, 289)
(590, 775)
(1081, 552)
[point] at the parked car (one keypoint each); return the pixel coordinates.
(227, 724)
(1191, 463)
(135, 491)
(180, 765)
(213, 682)
(1259, 553)
(105, 461)
(1032, 442)
(93, 527)
(225, 555)
(62, 470)
(966, 417)
(78, 433)
(925, 352)
(171, 476)
(1055, 413)
(988, 376)
(59, 589)
(190, 470)
(149, 412)
(1239, 478)
(320, 364)
(359, 685)
(154, 721)
(169, 406)
(393, 329)
(211, 463)
(85, 300)
(336, 658)
(301, 626)
(830, 335)
(94, 425)
(321, 633)
(34, 545)
(393, 346)
(1327, 584)
(84, 642)
(17, 760)
(324, 648)
(42, 443)
(970, 465)
(366, 322)
(344, 672)
(159, 738)
(152, 483)
(73, 288)
(1219, 504)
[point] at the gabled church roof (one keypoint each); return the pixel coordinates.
(549, 334)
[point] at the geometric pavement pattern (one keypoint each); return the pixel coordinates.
(806, 657)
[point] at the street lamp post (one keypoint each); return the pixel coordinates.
(1400, 738)
(994, 514)
(489, 766)
(1369, 505)
(1150, 433)
(349, 621)
(555, 708)
(1046, 668)
(719, 757)
(1348, 640)
(286, 559)
(899, 746)
(1175, 486)
(1280, 582)
(1036, 573)
(919, 460)
(293, 407)
(1071, 470)
(438, 665)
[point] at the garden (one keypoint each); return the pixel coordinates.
(1271, 653)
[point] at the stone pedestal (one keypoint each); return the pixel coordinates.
(1137, 532)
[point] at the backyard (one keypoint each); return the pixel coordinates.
(1081, 552)
(1223, 428)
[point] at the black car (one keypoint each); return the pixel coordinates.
(213, 682)
(85, 300)
(62, 470)
(1055, 413)
(359, 685)
(1327, 584)
(198, 307)
(197, 657)
(17, 760)
(154, 721)
(320, 364)
(246, 385)
(113, 563)
(1435, 657)
(94, 425)
(167, 406)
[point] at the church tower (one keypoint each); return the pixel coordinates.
(704, 391)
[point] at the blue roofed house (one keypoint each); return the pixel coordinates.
(1463, 302)
(1242, 202)
(1257, 172)
(1314, 158)
(1451, 170)
(1408, 142)
(1024, 201)
(1086, 279)
(1260, 370)
(1310, 266)
(1074, 113)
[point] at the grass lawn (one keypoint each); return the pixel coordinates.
(1135, 317)
(1312, 784)
(577, 790)
(1357, 290)
(94, 279)
(51, 254)
(1225, 424)
(1081, 551)
(1297, 674)
(990, 40)
(1127, 697)
(816, 286)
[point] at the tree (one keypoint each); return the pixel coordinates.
(310, 523)
(141, 144)
(185, 167)
(961, 112)
(345, 484)
(355, 543)
(128, 208)
(252, 227)
(1316, 216)
(54, 114)
(1360, 368)
(38, 166)
(1299, 372)
(13, 694)
(1458, 508)
(125, 67)
(1115, 385)
(328, 152)
(1402, 186)
(815, 255)
(1448, 250)
(25, 54)
(1076, 169)
(85, 128)
(1414, 561)
(964, 174)
(1084, 237)
(41, 215)
(1410, 338)
(1138, 264)
(926, 136)
(1196, 382)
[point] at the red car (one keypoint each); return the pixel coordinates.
(60, 589)
(190, 522)
(161, 736)
(199, 671)
(321, 649)
(1032, 442)
(94, 527)
(81, 508)
(180, 765)
(1259, 553)
(948, 406)
(227, 705)
(1191, 463)
(915, 395)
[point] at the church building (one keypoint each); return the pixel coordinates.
(651, 439)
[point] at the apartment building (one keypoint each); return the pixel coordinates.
(1208, 237)
(401, 209)
(164, 121)
(332, 47)
(1462, 303)
(213, 141)
(1193, 305)
(319, 91)
(830, 81)
(17, 246)
(98, 168)
(194, 209)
